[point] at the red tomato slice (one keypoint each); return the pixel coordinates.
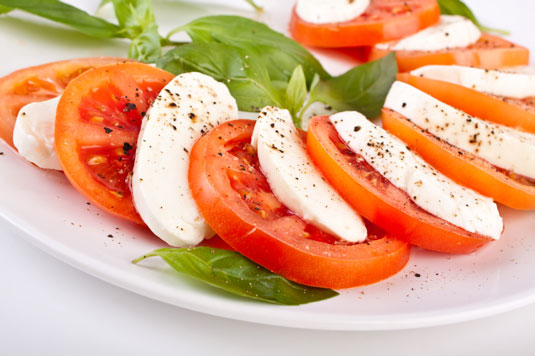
(378, 200)
(517, 113)
(216, 242)
(488, 52)
(463, 167)
(97, 123)
(39, 83)
(235, 199)
(383, 21)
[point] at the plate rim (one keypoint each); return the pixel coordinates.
(315, 321)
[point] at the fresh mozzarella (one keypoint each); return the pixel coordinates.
(495, 82)
(189, 105)
(501, 146)
(451, 31)
(33, 135)
(425, 186)
(296, 182)
(321, 11)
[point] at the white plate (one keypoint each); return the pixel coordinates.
(57, 219)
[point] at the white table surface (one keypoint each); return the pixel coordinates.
(48, 307)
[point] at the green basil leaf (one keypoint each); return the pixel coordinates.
(236, 274)
(247, 79)
(457, 7)
(66, 14)
(276, 52)
(146, 46)
(5, 9)
(134, 16)
(363, 88)
(296, 92)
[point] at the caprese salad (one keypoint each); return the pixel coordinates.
(291, 211)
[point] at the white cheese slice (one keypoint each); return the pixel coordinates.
(296, 182)
(501, 146)
(495, 82)
(451, 31)
(321, 11)
(33, 135)
(189, 105)
(425, 186)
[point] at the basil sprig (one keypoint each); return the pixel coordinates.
(234, 273)
(457, 7)
(66, 14)
(135, 19)
(276, 52)
(263, 67)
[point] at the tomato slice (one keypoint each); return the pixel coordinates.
(97, 123)
(517, 113)
(463, 167)
(39, 83)
(383, 21)
(235, 199)
(488, 52)
(378, 200)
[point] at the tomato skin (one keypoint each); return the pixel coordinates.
(369, 28)
(39, 83)
(461, 166)
(489, 52)
(116, 95)
(275, 244)
(475, 103)
(384, 205)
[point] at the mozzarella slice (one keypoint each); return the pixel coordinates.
(189, 106)
(321, 11)
(425, 186)
(494, 82)
(501, 146)
(296, 182)
(33, 135)
(451, 31)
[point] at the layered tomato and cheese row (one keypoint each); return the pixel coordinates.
(496, 160)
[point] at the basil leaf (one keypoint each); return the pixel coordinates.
(363, 88)
(276, 52)
(247, 79)
(457, 7)
(236, 274)
(146, 47)
(296, 92)
(66, 14)
(134, 16)
(5, 9)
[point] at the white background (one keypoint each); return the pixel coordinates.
(47, 307)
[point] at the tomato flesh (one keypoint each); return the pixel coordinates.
(97, 124)
(39, 83)
(383, 20)
(378, 200)
(489, 52)
(235, 199)
(463, 167)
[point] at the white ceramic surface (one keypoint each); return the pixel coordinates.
(57, 219)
